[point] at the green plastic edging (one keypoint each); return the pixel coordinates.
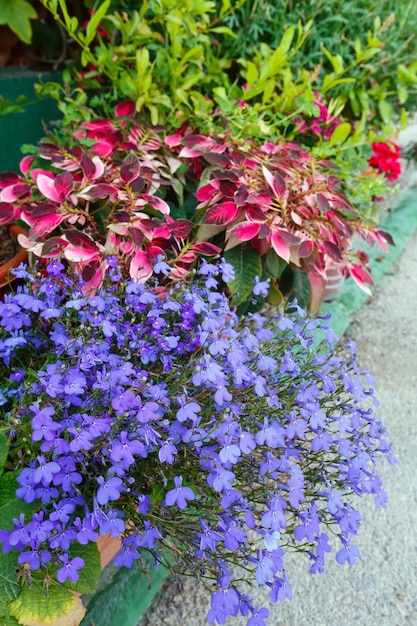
(401, 222)
(126, 595)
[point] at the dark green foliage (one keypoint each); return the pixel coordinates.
(336, 26)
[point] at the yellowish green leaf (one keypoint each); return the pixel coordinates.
(340, 134)
(34, 605)
(17, 15)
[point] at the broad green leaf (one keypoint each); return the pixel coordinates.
(17, 15)
(90, 573)
(34, 605)
(302, 287)
(4, 449)
(247, 265)
(10, 505)
(340, 134)
(386, 111)
(273, 264)
(9, 587)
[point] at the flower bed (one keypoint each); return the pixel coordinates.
(159, 418)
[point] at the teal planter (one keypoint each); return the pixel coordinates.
(123, 595)
(17, 129)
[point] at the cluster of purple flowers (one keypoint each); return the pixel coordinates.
(158, 417)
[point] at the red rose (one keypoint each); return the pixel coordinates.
(386, 159)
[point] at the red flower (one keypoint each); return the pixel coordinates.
(386, 159)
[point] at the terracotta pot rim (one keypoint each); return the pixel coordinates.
(20, 257)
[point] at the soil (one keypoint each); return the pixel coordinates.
(8, 245)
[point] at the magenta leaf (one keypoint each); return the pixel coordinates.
(206, 248)
(206, 192)
(101, 190)
(11, 193)
(275, 181)
(102, 127)
(44, 224)
(8, 212)
(190, 153)
(215, 158)
(227, 188)
(222, 213)
(255, 214)
(25, 163)
(88, 167)
(8, 178)
(157, 203)
(124, 109)
(64, 184)
(361, 278)
(137, 237)
(245, 231)
(77, 238)
(90, 270)
(332, 250)
(103, 148)
(281, 247)
(46, 185)
(287, 236)
(129, 168)
(322, 202)
(181, 228)
(306, 249)
(78, 254)
(53, 247)
(140, 266)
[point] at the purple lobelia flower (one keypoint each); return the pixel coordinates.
(69, 569)
(179, 495)
(150, 397)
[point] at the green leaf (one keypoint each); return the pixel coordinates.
(247, 265)
(273, 264)
(95, 20)
(302, 287)
(10, 505)
(6, 619)
(223, 30)
(9, 587)
(4, 450)
(251, 74)
(386, 111)
(17, 15)
(336, 61)
(340, 134)
(34, 605)
(90, 573)
(287, 38)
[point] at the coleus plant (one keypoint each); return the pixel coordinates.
(112, 191)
